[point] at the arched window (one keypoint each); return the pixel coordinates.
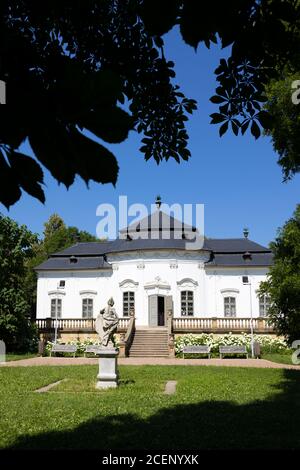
(264, 305)
(128, 303)
(87, 307)
(187, 303)
(229, 307)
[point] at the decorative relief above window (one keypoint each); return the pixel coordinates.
(173, 264)
(88, 292)
(128, 284)
(57, 293)
(229, 291)
(187, 282)
(158, 283)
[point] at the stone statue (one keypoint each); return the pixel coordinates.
(107, 323)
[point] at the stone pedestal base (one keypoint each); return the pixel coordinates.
(108, 369)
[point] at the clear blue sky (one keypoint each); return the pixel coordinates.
(236, 178)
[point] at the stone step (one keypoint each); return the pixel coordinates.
(152, 342)
(148, 335)
(153, 346)
(151, 336)
(160, 340)
(148, 355)
(141, 346)
(154, 338)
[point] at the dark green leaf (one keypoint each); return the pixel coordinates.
(159, 17)
(93, 161)
(28, 174)
(255, 130)
(235, 127)
(9, 188)
(223, 128)
(111, 125)
(265, 119)
(217, 99)
(216, 118)
(244, 126)
(53, 146)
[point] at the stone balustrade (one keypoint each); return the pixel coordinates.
(74, 324)
(180, 325)
(220, 325)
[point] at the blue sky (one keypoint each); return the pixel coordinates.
(236, 178)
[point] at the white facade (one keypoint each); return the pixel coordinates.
(165, 273)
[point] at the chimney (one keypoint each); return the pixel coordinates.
(246, 232)
(158, 202)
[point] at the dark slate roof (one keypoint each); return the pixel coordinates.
(85, 249)
(230, 245)
(92, 255)
(157, 221)
(64, 263)
(237, 259)
(234, 245)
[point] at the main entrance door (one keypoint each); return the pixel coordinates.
(158, 307)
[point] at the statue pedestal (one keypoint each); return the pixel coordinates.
(108, 369)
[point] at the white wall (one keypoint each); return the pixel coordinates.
(151, 273)
(76, 282)
(224, 279)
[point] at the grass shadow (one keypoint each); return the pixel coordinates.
(271, 423)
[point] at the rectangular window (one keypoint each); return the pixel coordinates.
(56, 308)
(187, 303)
(87, 308)
(128, 303)
(229, 307)
(264, 305)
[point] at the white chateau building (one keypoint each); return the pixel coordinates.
(212, 289)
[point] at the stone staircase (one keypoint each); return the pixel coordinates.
(150, 342)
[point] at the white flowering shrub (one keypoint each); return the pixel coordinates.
(268, 343)
(81, 345)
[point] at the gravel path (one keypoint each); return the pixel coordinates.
(138, 361)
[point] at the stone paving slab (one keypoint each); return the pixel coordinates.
(170, 387)
(139, 361)
(49, 386)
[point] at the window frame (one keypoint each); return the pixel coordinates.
(231, 301)
(128, 303)
(184, 303)
(264, 303)
(56, 307)
(87, 307)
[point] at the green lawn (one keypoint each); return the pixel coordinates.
(278, 357)
(214, 407)
(18, 357)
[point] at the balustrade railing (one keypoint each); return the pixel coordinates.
(215, 324)
(180, 324)
(192, 323)
(74, 324)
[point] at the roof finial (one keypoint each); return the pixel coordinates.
(246, 232)
(158, 201)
